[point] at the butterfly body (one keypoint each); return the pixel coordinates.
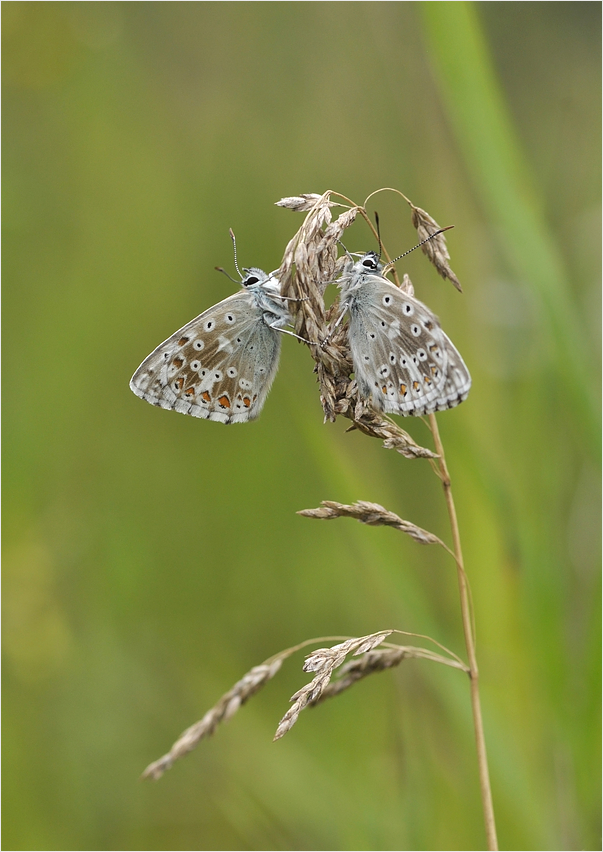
(403, 362)
(221, 365)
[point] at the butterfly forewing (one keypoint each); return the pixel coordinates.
(219, 366)
(403, 361)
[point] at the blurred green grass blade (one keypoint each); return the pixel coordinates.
(494, 159)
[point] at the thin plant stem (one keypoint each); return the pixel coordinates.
(311, 253)
(480, 742)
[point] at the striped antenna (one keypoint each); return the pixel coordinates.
(234, 246)
(379, 235)
(418, 245)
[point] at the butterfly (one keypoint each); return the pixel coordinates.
(403, 362)
(221, 365)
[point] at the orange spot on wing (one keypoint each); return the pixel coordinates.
(246, 401)
(428, 325)
(179, 383)
(384, 389)
(224, 401)
(403, 390)
(178, 362)
(182, 341)
(434, 370)
(415, 385)
(205, 395)
(189, 392)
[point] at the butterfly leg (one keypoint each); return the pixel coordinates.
(276, 327)
(332, 331)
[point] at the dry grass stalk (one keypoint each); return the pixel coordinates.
(324, 661)
(377, 661)
(374, 515)
(226, 707)
(339, 396)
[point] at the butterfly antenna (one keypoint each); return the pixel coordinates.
(379, 234)
(234, 246)
(418, 245)
(220, 269)
(345, 249)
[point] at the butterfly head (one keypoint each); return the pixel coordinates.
(252, 276)
(370, 262)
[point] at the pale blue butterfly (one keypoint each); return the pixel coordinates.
(403, 362)
(221, 365)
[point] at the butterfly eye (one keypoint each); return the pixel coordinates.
(253, 279)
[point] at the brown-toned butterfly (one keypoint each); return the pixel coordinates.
(221, 365)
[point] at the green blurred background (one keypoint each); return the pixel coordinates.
(151, 559)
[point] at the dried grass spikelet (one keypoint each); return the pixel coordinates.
(436, 249)
(375, 661)
(324, 661)
(373, 515)
(301, 203)
(378, 425)
(309, 264)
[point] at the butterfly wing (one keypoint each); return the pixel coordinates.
(219, 366)
(403, 361)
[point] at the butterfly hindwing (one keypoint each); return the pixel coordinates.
(403, 361)
(219, 366)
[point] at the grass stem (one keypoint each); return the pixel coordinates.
(480, 742)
